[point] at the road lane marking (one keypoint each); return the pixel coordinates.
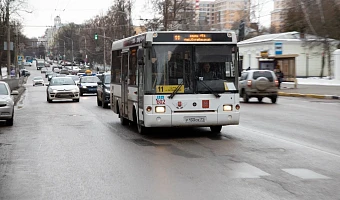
(305, 173)
(244, 170)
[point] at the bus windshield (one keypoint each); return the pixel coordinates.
(199, 68)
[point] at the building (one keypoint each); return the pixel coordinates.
(297, 55)
(51, 32)
(222, 14)
(277, 15)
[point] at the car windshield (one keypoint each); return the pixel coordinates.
(37, 78)
(107, 79)
(89, 79)
(3, 89)
(62, 81)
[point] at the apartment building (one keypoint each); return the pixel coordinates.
(277, 15)
(222, 14)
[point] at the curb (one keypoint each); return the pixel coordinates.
(316, 96)
(16, 98)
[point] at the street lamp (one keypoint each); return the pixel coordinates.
(85, 49)
(72, 48)
(64, 49)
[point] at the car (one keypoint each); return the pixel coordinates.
(43, 70)
(48, 73)
(24, 73)
(38, 80)
(28, 64)
(259, 84)
(103, 90)
(88, 84)
(7, 103)
(75, 78)
(62, 88)
(64, 71)
(50, 76)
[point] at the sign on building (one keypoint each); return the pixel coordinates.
(278, 48)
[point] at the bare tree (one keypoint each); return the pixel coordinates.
(320, 18)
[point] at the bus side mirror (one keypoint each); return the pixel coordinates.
(140, 57)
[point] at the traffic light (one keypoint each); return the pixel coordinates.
(96, 36)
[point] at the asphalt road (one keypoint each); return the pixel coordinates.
(68, 150)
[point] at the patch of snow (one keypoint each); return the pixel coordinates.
(317, 81)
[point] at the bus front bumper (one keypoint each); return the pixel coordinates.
(197, 119)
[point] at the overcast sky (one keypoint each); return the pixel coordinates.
(78, 11)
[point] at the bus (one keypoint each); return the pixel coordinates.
(158, 80)
(29, 59)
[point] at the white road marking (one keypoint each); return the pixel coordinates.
(305, 173)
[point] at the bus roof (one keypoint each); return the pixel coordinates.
(177, 37)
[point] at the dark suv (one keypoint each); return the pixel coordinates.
(103, 90)
(259, 84)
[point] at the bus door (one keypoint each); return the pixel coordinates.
(125, 90)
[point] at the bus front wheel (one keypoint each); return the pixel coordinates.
(216, 129)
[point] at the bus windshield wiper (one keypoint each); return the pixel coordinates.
(210, 90)
(176, 90)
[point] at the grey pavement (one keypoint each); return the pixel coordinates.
(311, 89)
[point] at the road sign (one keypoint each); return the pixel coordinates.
(20, 58)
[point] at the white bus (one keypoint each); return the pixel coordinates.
(160, 79)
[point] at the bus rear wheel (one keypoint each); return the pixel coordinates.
(216, 129)
(142, 129)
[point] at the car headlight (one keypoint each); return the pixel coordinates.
(54, 91)
(8, 102)
(160, 109)
(227, 107)
(107, 90)
(74, 90)
(83, 86)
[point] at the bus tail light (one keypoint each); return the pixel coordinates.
(249, 83)
(160, 109)
(237, 107)
(148, 109)
(227, 107)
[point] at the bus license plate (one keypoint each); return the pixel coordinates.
(194, 119)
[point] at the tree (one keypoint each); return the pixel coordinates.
(175, 14)
(316, 17)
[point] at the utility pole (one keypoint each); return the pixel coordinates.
(104, 52)
(15, 45)
(8, 40)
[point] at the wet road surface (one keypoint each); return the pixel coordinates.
(69, 150)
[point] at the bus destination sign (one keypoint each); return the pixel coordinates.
(193, 37)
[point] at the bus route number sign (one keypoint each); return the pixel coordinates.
(168, 88)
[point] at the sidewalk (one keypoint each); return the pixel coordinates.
(321, 89)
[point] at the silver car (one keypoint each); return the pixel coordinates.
(38, 80)
(62, 88)
(6, 103)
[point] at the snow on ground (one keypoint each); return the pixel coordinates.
(317, 81)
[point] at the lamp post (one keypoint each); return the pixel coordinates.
(72, 48)
(64, 50)
(85, 49)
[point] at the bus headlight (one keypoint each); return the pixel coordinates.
(160, 109)
(227, 107)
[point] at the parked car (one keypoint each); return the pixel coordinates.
(38, 80)
(7, 103)
(25, 73)
(88, 84)
(103, 90)
(62, 88)
(259, 84)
